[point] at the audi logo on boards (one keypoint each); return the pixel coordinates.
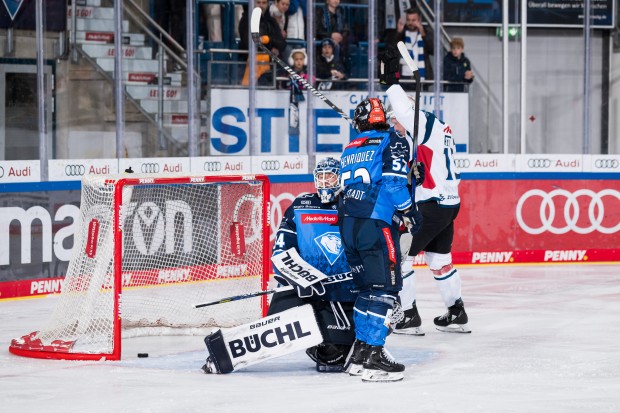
(571, 211)
(539, 163)
(75, 170)
(606, 163)
(462, 163)
(270, 165)
(213, 166)
(1, 172)
(149, 168)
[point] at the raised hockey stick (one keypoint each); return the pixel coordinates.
(416, 75)
(243, 296)
(255, 27)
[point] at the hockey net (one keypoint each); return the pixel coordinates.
(146, 251)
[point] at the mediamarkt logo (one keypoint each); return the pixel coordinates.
(148, 218)
(319, 219)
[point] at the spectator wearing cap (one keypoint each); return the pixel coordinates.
(329, 66)
(457, 67)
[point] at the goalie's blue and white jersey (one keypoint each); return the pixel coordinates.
(435, 149)
(311, 227)
(374, 169)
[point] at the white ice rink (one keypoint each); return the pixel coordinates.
(544, 339)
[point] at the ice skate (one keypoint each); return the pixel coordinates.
(455, 320)
(329, 358)
(379, 366)
(410, 324)
(355, 362)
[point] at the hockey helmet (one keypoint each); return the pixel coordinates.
(370, 114)
(327, 179)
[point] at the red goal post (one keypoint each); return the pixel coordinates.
(146, 250)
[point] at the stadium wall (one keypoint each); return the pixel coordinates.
(516, 209)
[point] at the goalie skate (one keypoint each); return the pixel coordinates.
(455, 320)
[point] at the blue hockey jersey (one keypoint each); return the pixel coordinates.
(374, 169)
(311, 227)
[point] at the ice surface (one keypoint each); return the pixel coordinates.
(544, 339)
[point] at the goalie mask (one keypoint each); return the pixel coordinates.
(370, 115)
(327, 179)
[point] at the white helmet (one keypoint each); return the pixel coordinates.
(327, 179)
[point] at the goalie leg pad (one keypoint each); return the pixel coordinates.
(270, 337)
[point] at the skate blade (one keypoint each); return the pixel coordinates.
(355, 369)
(455, 328)
(412, 331)
(326, 368)
(380, 376)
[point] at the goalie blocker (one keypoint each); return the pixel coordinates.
(270, 337)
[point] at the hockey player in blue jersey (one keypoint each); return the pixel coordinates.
(310, 226)
(374, 170)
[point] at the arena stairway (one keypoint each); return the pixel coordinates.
(95, 41)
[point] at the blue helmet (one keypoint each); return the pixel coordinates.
(327, 179)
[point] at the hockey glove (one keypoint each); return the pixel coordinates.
(419, 171)
(303, 292)
(389, 66)
(413, 219)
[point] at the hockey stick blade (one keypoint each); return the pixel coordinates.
(407, 58)
(242, 297)
(255, 27)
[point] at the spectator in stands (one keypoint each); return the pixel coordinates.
(269, 30)
(270, 34)
(328, 66)
(329, 22)
(278, 11)
(296, 20)
(212, 15)
(456, 67)
(419, 41)
(298, 61)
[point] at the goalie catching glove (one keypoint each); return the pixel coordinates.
(389, 66)
(293, 270)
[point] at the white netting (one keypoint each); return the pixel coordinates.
(183, 244)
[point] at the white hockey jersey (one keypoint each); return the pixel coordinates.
(435, 148)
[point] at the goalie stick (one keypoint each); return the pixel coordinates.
(255, 27)
(243, 297)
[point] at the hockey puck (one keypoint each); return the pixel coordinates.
(143, 355)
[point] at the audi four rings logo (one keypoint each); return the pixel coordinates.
(213, 166)
(462, 163)
(547, 211)
(75, 170)
(606, 163)
(149, 168)
(539, 163)
(270, 165)
(1, 172)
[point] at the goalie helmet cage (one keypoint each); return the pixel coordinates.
(146, 250)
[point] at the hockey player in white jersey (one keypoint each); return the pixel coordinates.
(439, 202)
